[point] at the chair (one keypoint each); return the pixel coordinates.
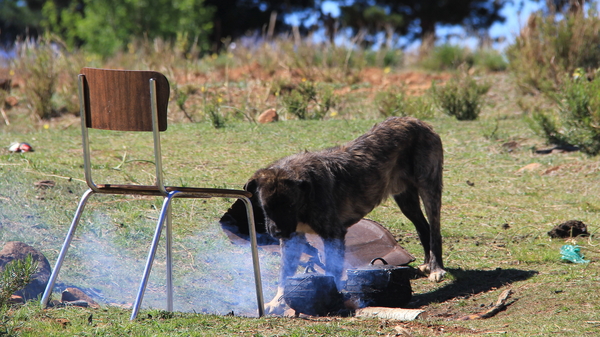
(121, 100)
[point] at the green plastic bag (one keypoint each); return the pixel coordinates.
(571, 253)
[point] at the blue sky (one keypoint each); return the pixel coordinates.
(509, 29)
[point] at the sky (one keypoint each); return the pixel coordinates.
(509, 29)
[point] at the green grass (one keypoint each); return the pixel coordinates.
(483, 258)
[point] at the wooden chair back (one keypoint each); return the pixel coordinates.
(120, 99)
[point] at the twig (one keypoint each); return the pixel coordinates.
(54, 175)
(6, 121)
(496, 308)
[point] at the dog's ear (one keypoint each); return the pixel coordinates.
(251, 186)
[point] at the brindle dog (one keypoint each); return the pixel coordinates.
(327, 191)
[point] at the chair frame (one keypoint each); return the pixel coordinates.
(158, 112)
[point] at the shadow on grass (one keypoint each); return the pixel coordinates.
(470, 282)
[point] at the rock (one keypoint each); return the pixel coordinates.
(75, 295)
(14, 299)
(11, 101)
(568, 229)
(268, 116)
(15, 250)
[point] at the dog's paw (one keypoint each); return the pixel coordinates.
(275, 307)
(437, 276)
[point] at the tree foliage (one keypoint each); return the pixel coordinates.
(235, 18)
(105, 26)
(420, 17)
(16, 19)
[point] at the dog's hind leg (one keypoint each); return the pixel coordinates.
(409, 204)
(432, 200)
(291, 249)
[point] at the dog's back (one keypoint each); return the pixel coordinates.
(354, 178)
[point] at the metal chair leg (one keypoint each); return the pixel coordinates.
(169, 246)
(65, 247)
(161, 219)
(255, 262)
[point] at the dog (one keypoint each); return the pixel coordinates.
(327, 191)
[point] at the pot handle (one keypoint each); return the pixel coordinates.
(310, 268)
(378, 258)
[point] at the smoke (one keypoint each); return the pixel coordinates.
(210, 274)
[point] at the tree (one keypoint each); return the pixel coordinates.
(420, 17)
(234, 18)
(368, 20)
(17, 20)
(564, 6)
(105, 26)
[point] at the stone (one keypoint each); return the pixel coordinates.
(16, 250)
(268, 116)
(73, 294)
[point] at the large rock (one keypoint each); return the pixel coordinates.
(15, 250)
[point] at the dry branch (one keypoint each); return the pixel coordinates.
(496, 308)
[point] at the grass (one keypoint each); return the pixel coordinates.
(482, 257)
(496, 209)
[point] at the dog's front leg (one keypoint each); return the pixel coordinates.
(291, 249)
(334, 258)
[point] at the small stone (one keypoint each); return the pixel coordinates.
(268, 116)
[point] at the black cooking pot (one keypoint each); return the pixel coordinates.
(312, 294)
(379, 285)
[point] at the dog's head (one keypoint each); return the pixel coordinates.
(281, 197)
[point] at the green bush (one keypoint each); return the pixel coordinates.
(396, 102)
(15, 276)
(309, 102)
(447, 56)
(462, 97)
(214, 112)
(50, 76)
(383, 57)
(106, 27)
(550, 47)
(577, 119)
(489, 59)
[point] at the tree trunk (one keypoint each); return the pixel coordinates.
(389, 35)
(427, 37)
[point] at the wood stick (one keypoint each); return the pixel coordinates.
(391, 313)
(496, 308)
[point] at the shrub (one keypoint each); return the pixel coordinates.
(384, 57)
(550, 47)
(462, 97)
(50, 76)
(214, 112)
(15, 276)
(304, 102)
(38, 64)
(446, 57)
(397, 102)
(489, 59)
(577, 119)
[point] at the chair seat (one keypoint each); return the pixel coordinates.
(190, 192)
